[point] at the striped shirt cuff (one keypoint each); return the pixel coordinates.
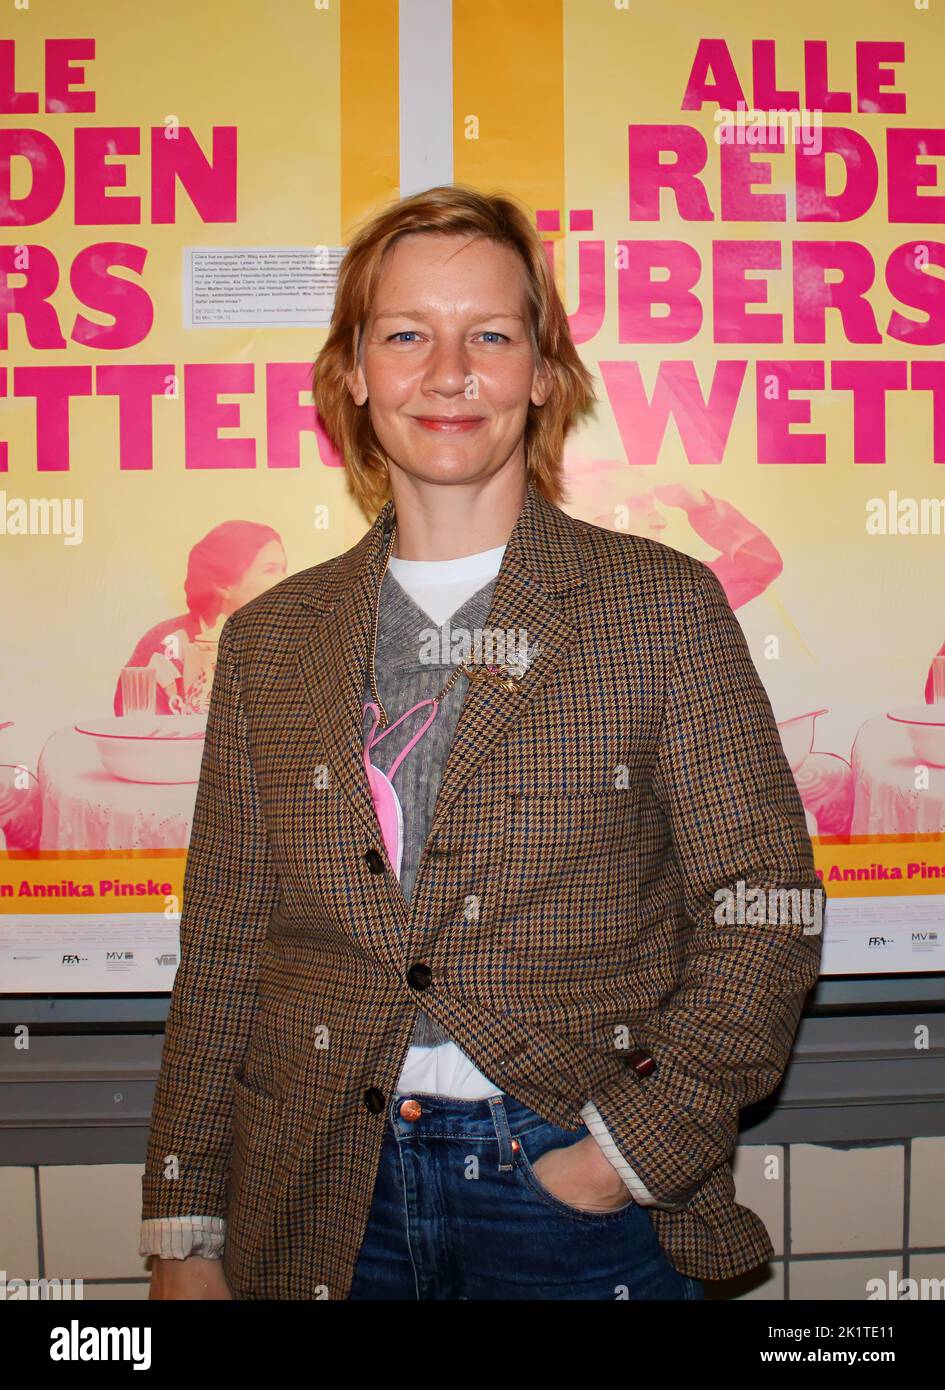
(641, 1195)
(178, 1237)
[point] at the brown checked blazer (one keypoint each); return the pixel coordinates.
(590, 816)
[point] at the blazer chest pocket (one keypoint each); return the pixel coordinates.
(571, 882)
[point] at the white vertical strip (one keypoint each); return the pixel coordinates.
(426, 94)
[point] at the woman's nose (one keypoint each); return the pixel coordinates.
(448, 368)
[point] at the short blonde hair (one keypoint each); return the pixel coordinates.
(450, 209)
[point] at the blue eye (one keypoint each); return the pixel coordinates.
(405, 333)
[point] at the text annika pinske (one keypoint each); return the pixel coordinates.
(42, 516)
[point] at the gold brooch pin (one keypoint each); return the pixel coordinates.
(508, 674)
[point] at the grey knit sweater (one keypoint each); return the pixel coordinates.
(402, 679)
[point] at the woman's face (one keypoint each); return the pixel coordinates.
(266, 569)
(447, 341)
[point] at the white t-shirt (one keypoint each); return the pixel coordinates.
(440, 587)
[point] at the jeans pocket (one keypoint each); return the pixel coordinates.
(523, 1166)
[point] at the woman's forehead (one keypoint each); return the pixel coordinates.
(412, 262)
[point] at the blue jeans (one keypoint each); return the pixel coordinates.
(457, 1213)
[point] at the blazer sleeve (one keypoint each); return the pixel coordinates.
(605, 1141)
(722, 1039)
(230, 888)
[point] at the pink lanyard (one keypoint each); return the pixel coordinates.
(387, 806)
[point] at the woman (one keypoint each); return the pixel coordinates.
(455, 1016)
(225, 569)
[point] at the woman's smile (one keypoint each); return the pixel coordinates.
(446, 424)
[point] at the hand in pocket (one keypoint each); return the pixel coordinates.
(581, 1176)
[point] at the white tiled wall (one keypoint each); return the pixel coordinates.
(91, 1218)
(927, 1193)
(850, 1218)
(19, 1244)
(846, 1200)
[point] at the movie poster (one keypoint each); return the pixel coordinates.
(744, 222)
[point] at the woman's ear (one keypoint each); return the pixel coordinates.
(354, 380)
(541, 384)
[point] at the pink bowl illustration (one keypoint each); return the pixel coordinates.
(149, 747)
(797, 737)
(926, 728)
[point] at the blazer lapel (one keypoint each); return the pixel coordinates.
(542, 561)
(333, 659)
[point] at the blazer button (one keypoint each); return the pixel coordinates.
(642, 1062)
(374, 1100)
(419, 976)
(374, 861)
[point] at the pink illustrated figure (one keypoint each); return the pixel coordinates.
(932, 696)
(232, 564)
(748, 561)
(20, 802)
